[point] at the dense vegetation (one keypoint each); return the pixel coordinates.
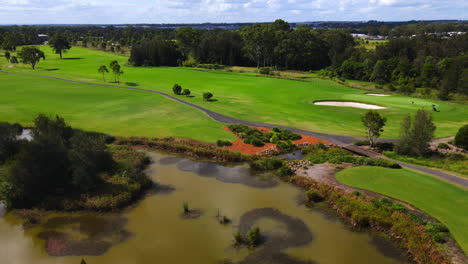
(461, 139)
(191, 148)
(267, 45)
(256, 137)
(320, 154)
(65, 168)
(405, 64)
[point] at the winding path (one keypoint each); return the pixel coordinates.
(342, 141)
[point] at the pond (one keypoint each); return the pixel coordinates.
(155, 231)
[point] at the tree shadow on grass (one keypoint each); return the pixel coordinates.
(52, 69)
(212, 100)
(190, 96)
(72, 58)
(131, 84)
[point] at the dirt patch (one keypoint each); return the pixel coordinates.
(242, 147)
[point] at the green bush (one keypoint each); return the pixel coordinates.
(207, 96)
(186, 92)
(238, 238)
(362, 143)
(314, 196)
(443, 146)
(223, 143)
(211, 66)
(254, 237)
(284, 172)
(265, 70)
(177, 89)
(461, 139)
(266, 164)
(286, 146)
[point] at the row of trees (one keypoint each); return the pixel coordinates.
(267, 45)
(13, 36)
(58, 160)
(116, 70)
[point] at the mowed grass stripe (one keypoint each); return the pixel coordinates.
(446, 202)
(104, 109)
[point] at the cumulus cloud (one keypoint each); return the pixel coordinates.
(198, 11)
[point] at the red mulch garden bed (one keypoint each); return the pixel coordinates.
(240, 146)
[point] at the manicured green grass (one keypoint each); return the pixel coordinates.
(260, 99)
(447, 162)
(104, 109)
(444, 201)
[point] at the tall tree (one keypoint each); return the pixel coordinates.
(14, 60)
(188, 39)
(60, 44)
(7, 55)
(374, 123)
(103, 69)
(116, 69)
(31, 55)
(422, 132)
(416, 134)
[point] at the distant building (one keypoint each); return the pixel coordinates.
(369, 37)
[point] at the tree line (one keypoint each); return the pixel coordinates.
(404, 64)
(262, 45)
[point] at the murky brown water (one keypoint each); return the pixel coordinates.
(154, 231)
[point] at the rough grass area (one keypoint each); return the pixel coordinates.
(249, 97)
(457, 163)
(115, 111)
(442, 200)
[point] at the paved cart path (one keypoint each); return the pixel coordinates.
(342, 141)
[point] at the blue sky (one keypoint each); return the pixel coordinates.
(198, 11)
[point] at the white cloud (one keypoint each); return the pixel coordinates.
(196, 11)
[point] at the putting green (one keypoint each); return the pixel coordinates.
(446, 202)
(259, 99)
(104, 109)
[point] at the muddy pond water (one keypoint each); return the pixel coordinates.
(155, 231)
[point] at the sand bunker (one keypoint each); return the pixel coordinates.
(349, 104)
(377, 94)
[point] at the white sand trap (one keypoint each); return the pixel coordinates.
(350, 104)
(375, 94)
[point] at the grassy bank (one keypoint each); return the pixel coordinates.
(455, 163)
(444, 201)
(249, 97)
(363, 212)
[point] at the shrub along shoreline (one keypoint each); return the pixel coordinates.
(187, 147)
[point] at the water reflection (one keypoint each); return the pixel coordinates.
(237, 174)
